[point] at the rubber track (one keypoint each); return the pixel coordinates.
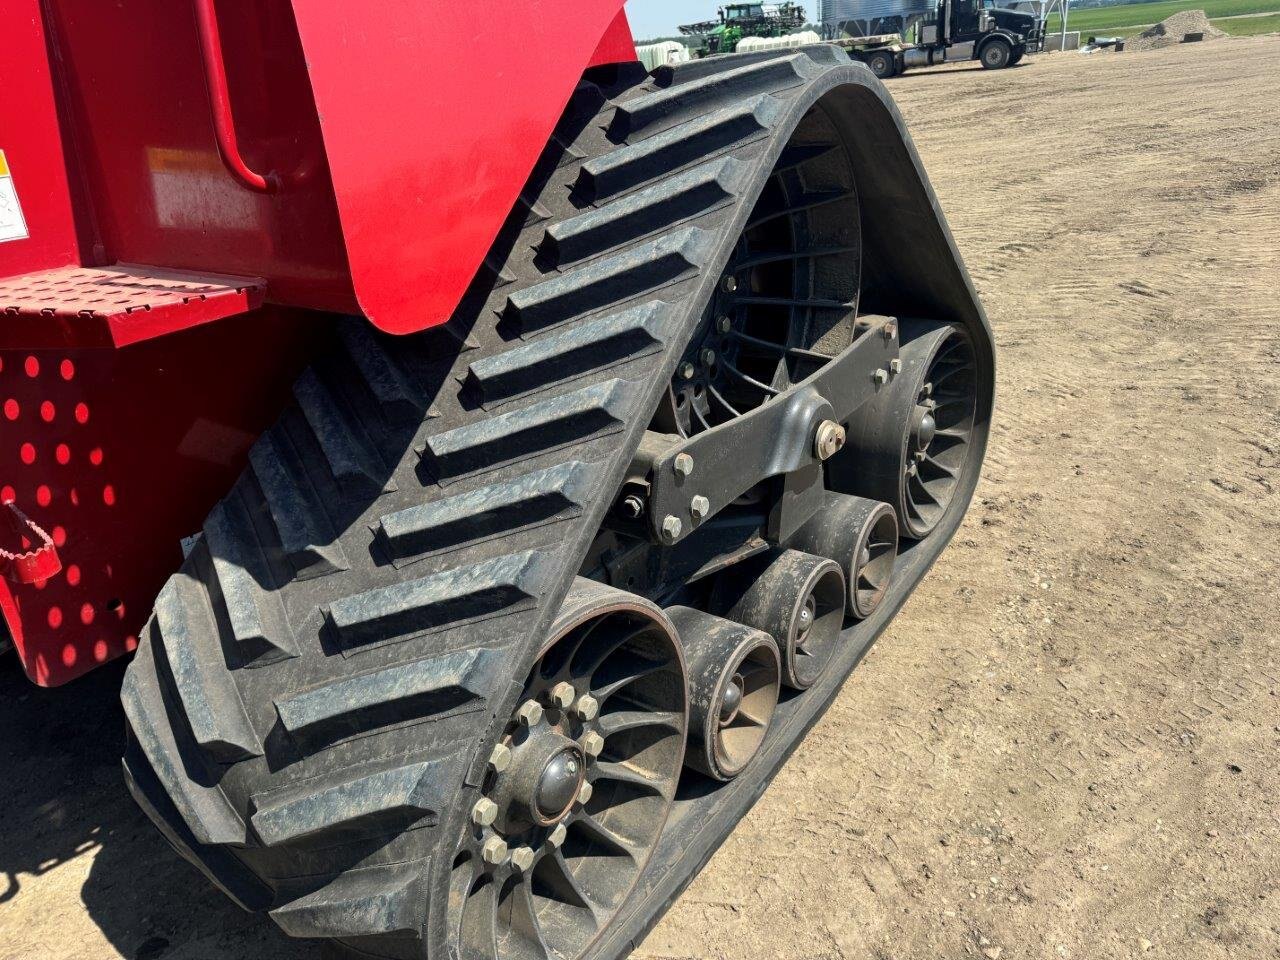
(310, 697)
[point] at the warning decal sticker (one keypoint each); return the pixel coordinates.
(13, 226)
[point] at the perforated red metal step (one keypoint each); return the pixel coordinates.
(115, 306)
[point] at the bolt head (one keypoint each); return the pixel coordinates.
(699, 506)
(687, 370)
(562, 695)
(484, 812)
(723, 324)
(828, 439)
(895, 366)
(682, 464)
(586, 708)
(632, 506)
(880, 376)
(494, 851)
(592, 744)
(522, 858)
(529, 714)
(729, 284)
(890, 330)
(708, 357)
(584, 794)
(671, 528)
(500, 758)
(557, 836)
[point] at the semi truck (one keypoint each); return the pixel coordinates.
(890, 36)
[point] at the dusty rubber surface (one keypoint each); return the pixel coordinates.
(1065, 744)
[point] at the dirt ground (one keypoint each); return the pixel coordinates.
(1065, 746)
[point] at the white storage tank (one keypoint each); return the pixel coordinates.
(656, 54)
(756, 44)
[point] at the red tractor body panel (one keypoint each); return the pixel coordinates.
(125, 410)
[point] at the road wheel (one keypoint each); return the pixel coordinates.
(997, 54)
(881, 64)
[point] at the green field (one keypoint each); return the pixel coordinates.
(1127, 18)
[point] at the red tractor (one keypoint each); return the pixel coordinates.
(494, 464)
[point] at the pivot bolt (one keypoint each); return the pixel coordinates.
(687, 370)
(723, 324)
(708, 357)
(682, 464)
(584, 793)
(880, 376)
(484, 812)
(699, 506)
(828, 440)
(586, 708)
(529, 714)
(632, 507)
(671, 528)
(522, 858)
(562, 695)
(592, 744)
(500, 758)
(494, 851)
(729, 284)
(557, 836)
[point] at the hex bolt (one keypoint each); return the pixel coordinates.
(584, 793)
(729, 284)
(557, 836)
(828, 439)
(632, 506)
(895, 366)
(699, 506)
(592, 744)
(682, 464)
(500, 758)
(522, 858)
(484, 812)
(671, 528)
(708, 357)
(562, 695)
(586, 708)
(890, 330)
(912, 469)
(880, 376)
(723, 324)
(529, 714)
(494, 851)
(687, 370)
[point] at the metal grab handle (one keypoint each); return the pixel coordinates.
(29, 566)
(215, 79)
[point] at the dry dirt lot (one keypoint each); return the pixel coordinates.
(1066, 744)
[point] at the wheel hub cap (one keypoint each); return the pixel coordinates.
(558, 784)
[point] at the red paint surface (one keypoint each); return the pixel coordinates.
(32, 144)
(118, 454)
(431, 127)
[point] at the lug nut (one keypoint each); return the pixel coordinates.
(484, 812)
(529, 714)
(592, 744)
(729, 284)
(828, 439)
(880, 376)
(890, 330)
(494, 851)
(522, 858)
(557, 836)
(687, 370)
(682, 464)
(562, 695)
(500, 758)
(586, 708)
(671, 528)
(708, 357)
(895, 366)
(723, 324)
(699, 506)
(584, 793)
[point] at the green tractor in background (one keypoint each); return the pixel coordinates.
(738, 20)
